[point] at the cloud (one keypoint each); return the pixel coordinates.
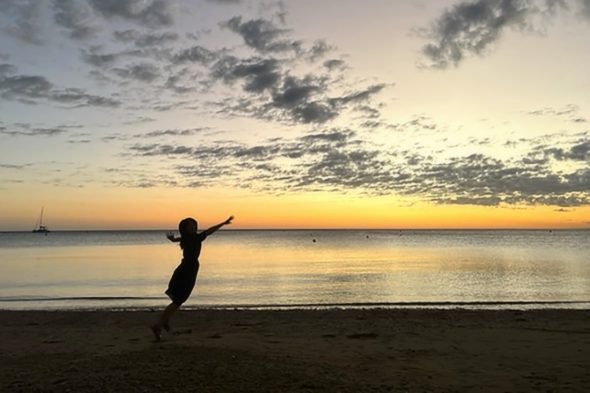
(578, 152)
(570, 111)
(143, 72)
(278, 95)
(270, 84)
(22, 20)
(139, 119)
(562, 210)
(145, 39)
(24, 129)
(318, 50)
(334, 64)
(259, 74)
(195, 54)
(295, 91)
(150, 13)
(584, 8)
(416, 124)
(482, 180)
(32, 88)
(25, 87)
(262, 35)
(14, 166)
(93, 57)
(7, 69)
(473, 27)
(337, 160)
(173, 132)
(359, 96)
(225, 2)
(79, 98)
(75, 17)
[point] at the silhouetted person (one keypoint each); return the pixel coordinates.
(185, 275)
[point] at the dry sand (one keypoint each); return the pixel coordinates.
(297, 351)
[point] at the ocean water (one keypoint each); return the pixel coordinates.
(301, 268)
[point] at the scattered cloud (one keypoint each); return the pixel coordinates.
(335, 64)
(570, 111)
(141, 39)
(584, 8)
(338, 160)
(32, 88)
(172, 132)
(580, 151)
(144, 72)
(25, 129)
(262, 35)
(473, 27)
(225, 2)
(150, 13)
(21, 19)
(75, 17)
(276, 94)
(195, 54)
(318, 50)
(14, 166)
(94, 57)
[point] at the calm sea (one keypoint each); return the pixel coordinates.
(369, 268)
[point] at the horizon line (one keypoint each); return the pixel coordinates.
(316, 229)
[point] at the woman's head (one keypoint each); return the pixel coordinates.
(188, 226)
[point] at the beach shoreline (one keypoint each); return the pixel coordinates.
(297, 350)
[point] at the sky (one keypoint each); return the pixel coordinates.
(128, 114)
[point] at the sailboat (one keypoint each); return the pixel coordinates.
(41, 228)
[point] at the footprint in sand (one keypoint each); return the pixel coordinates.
(182, 331)
(361, 336)
(53, 341)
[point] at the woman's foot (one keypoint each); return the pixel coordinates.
(157, 330)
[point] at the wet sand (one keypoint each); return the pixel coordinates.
(297, 351)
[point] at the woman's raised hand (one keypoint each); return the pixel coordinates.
(229, 220)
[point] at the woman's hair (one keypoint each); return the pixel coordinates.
(187, 235)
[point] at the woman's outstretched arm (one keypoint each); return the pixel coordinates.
(215, 228)
(170, 236)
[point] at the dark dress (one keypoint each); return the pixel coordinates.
(185, 275)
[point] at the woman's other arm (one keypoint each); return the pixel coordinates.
(170, 236)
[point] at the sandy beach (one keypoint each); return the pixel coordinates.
(297, 351)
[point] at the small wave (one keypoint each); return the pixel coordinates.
(422, 304)
(77, 298)
(411, 304)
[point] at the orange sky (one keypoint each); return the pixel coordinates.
(160, 209)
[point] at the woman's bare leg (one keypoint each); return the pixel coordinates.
(163, 321)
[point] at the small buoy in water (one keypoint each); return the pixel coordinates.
(313, 240)
(367, 236)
